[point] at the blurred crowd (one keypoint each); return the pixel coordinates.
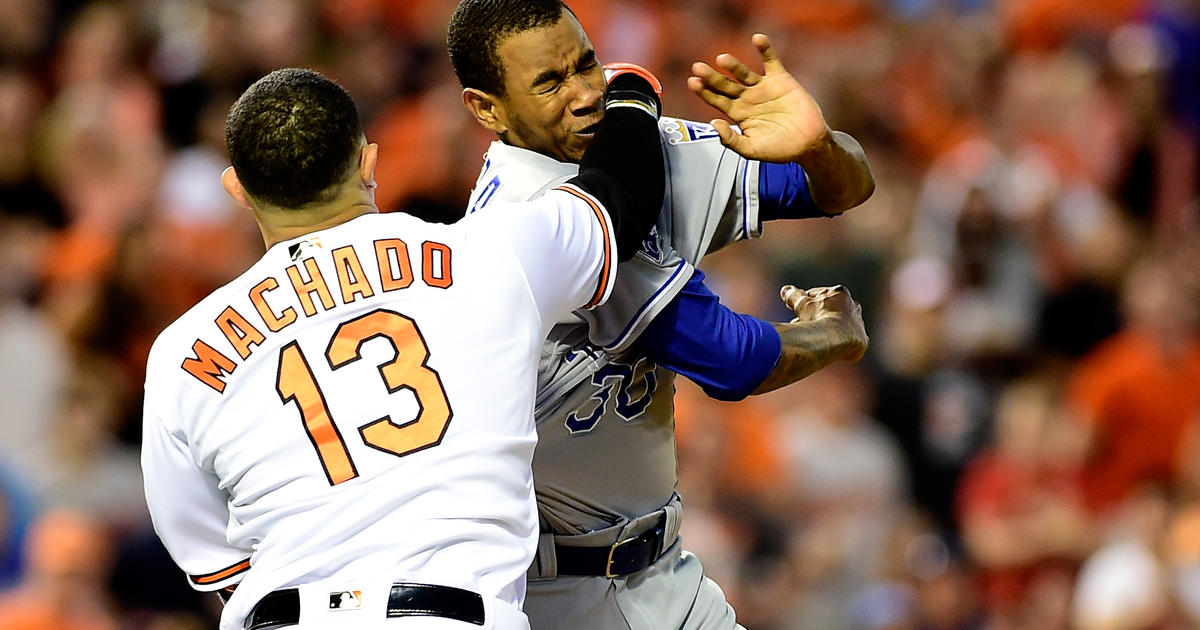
(1020, 450)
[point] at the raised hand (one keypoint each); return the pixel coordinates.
(779, 120)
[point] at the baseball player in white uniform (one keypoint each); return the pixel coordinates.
(605, 467)
(337, 432)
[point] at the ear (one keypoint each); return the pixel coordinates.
(233, 186)
(486, 108)
(366, 164)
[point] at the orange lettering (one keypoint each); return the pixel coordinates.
(316, 284)
(409, 370)
(240, 333)
(435, 264)
(350, 275)
(384, 250)
(295, 382)
(209, 366)
(274, 323)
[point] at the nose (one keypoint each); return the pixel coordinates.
(587, 94)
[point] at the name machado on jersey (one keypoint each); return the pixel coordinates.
(390, 264)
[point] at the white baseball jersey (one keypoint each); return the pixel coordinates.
(605, 416)
(358, 404)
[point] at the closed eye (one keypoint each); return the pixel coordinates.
(550, 80)
(587, 62)
(547, 81)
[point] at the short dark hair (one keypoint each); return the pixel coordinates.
(292, 136)
(479, 26)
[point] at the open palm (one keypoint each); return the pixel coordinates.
(778, 118)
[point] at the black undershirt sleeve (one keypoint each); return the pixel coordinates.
(623, 167)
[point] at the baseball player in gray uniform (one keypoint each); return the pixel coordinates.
(605, 467)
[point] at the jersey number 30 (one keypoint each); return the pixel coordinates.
(407, 371)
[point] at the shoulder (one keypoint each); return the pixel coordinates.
(163, 386)
(1126, 351)
(547, 209)
(178, 337)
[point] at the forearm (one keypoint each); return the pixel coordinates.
(805, 348)
(623, 168)
(839, 176)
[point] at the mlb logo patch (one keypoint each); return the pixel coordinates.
(296, 249)
(345, 600)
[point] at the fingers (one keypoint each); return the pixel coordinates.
(729, 137)
(715, 81)
(796, 299)
(790, 295)
(790, 290)
(718, 101)
(771, 62)
(821, 292)
(739, 70)
(835, 299)
(731, 64)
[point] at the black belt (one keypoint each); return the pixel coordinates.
(282, 608)
(625, 557)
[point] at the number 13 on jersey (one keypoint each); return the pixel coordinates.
(408, 370)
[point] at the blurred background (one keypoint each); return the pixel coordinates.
(1019, 450)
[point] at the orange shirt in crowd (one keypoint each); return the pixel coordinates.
(26, 612)
(750, 462)
(1046, 24)
(1138, 404)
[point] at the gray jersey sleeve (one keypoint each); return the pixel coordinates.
(713, 191)
(645, 285)
(711, 201)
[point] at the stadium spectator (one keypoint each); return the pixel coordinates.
(65, 587)
(1137, 392)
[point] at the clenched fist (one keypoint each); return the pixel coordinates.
(834, 304)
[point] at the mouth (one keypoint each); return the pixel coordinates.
(588, 131)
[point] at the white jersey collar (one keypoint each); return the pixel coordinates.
(534, 165)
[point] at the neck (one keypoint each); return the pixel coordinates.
(278, 225)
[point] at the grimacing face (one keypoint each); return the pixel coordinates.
(554, 90)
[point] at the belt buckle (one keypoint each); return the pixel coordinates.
(608, 568)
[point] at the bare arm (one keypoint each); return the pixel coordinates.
(828, 328)
(780, 122)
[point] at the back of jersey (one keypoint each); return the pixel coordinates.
(346, 407)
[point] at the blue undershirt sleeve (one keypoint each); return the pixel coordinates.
(728, 354)
(783, 193)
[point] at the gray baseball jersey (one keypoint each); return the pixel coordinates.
(606, 445)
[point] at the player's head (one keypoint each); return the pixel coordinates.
(529, 73)
(294, 138)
